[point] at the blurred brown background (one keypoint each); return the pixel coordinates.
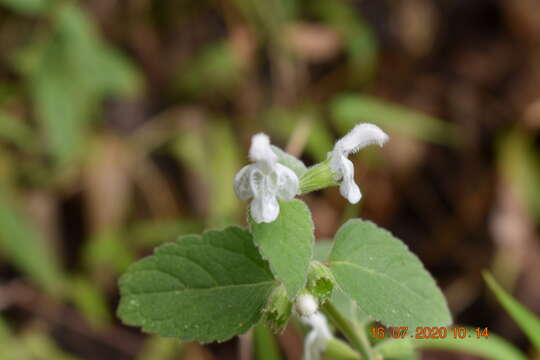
(122, 124)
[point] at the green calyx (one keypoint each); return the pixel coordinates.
(278, 310)
(320, 281)
(317, 177)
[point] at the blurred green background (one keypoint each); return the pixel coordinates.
(123, 123)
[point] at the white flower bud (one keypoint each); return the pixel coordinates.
(306, 305)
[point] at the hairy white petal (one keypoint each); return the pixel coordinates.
(316, 340)
(361, 136)
(264, 209)
(287, 182)
(348, 188)
(261, 152)
(242, 187)
(306, 305)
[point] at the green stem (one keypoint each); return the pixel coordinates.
(356, 337)
(266, 346)
(340, 350)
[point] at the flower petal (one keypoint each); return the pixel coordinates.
(348, 188)
(242, 187)
(261, 152)
(264, 209)
(287, 182)
(359, 137)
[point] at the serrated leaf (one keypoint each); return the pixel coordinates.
(387, 281)
(208, 288)
(287, 244)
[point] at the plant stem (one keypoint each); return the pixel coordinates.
(357, 338)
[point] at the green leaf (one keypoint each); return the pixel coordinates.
(519, 166)
(387, 281)
(68, 75)
(290, 161)
(25, 246)
(350, 109)
(398, 349)
(492, 347)
(27, 7)
(208, 288)
(342, 301)
(287, 244)
(527, 321)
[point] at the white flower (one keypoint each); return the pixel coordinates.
(315, 342)
(359, 137)
(265, 181)
(307, 307)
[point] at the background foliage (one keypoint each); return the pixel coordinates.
(122, 125)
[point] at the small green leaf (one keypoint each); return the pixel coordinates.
(492, 348)
(527, 321)
(290, 161)
(208, 288)
(386, 280)
(287, 244)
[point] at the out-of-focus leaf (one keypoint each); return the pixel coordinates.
(217, 65)
(41, 347)
(13, 130)
(518, 163)
(157, 348)
(212, 153)
(357, 35)
(527, 321)
(5, 332)
(350, 109)
(107, 251)
(27, 7)
(224, 159)
(90, 301)
(492, 348)
(26, 248)
(152, 233)
(319, 139)
(68, 76)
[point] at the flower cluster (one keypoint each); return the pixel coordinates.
(266, 180)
